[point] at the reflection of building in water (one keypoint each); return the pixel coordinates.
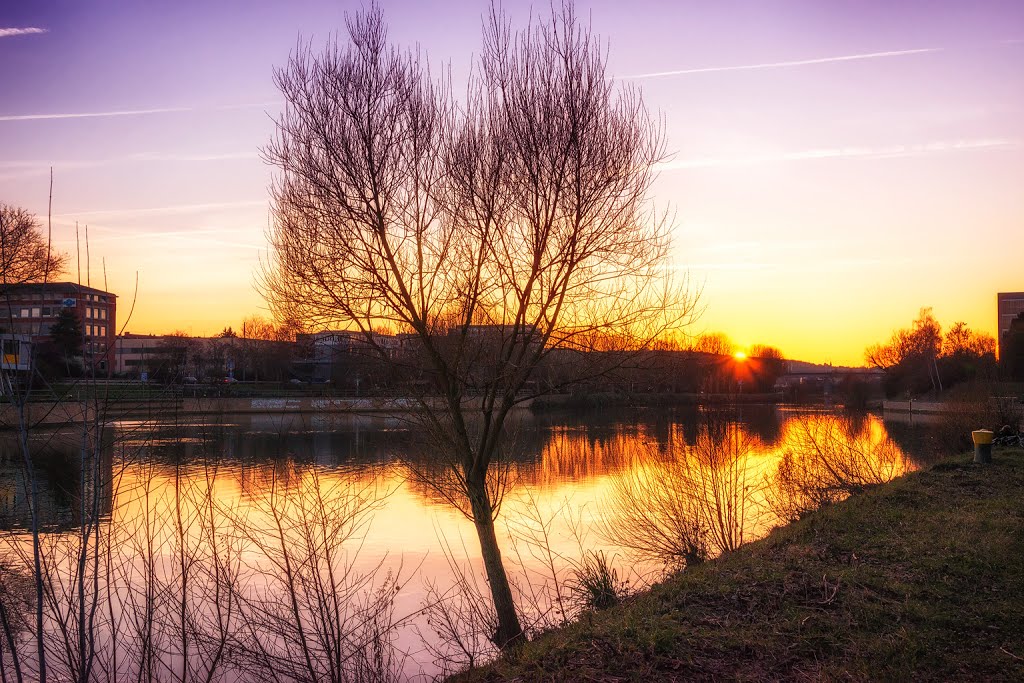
(58, 470)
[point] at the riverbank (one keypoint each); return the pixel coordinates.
(119, 404)
(919, 579)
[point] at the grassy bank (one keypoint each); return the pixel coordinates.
(920, 579)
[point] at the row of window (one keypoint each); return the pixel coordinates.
(54, 311)
(150, 350)
(96, 330)
(57, 298)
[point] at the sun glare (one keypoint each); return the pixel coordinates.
(739, 355)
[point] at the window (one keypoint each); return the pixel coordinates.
(103, 314)
(88, 312)
(47, 311)
(25, 313)
(36, 312)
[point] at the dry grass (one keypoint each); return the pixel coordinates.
(918, 579)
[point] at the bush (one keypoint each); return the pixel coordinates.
(596, 583)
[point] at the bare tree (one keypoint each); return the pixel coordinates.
(912, 349)
(493, 231)
(25, 252)
(695, 502)
(715, 343)
(827, 462)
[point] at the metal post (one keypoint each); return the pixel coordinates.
(982, 445)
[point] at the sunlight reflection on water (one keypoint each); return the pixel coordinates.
(566, 472)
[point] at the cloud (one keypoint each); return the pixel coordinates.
(227, 156)
(797, 62)
(889, 152)
(168, 210)
(182, 239)
(31, 30)
(132, 112)
(31, 168)
(94, 114)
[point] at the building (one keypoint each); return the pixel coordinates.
(1008, 306)
(17, 352)
(155, 355)
(32, 309)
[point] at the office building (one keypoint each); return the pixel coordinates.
(32, 309)
(1008, 306)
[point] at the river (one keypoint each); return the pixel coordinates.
(258, 502)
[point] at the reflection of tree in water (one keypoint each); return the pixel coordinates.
(762, 422)
(57, 462)
(828, 458)
(915, 440)
(689, 501)
(17, 598)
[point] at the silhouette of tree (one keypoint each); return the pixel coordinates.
(25, 252)
(61, 354)
(491, 232)
(910, 355)
(767, 364)
(920, 358)
(716, 343)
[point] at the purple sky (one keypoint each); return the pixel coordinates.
(837, 164)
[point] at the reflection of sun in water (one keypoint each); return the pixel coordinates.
(740, 355)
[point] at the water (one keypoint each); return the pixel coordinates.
(181, 504)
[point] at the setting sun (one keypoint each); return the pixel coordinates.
(739, 355)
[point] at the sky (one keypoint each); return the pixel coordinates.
(835, 166)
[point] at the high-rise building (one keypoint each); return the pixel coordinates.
(1009, 305)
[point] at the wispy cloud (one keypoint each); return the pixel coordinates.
(796, 62)
(181, 239)
(227, 156)
(892, 151)
(28, 31)
(31, 168)
(93, 114)
(66, 164)
(132, 112)
(166, 210)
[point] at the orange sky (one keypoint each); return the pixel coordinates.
(835, 166)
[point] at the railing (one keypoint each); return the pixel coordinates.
(121, 391)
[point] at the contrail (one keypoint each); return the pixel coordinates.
(93, 114)
(8, 32)
(131, 112)
(893, 151)
(175, 209)
(797, 62)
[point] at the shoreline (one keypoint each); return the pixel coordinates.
(916, 579)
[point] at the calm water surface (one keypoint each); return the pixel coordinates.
(565, 472)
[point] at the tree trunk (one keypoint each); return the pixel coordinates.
(509, 630)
